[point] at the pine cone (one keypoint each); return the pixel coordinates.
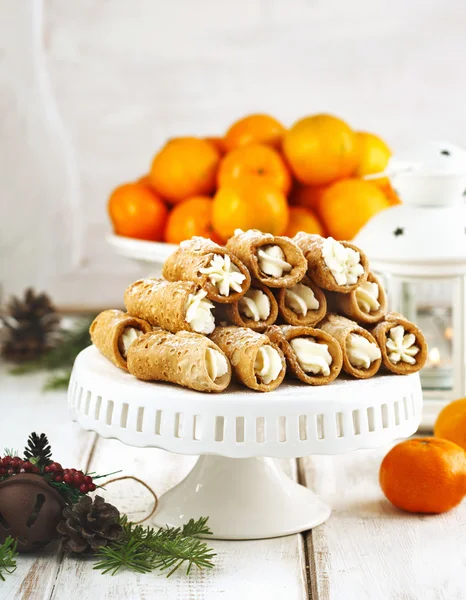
(29, 327)
(88, 525)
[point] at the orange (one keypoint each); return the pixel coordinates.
(383, 183)
(261, 129)
(189, 218)
(303, 219)
(307, 196)
(424, 475)
(250, 204)
(373, 154)
(256, 160)
(144, 179)
(218, 143)
(184, 167)
(137, 212)
(451, 423)
(321, 149)
(347, 205)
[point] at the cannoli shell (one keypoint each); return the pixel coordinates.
(241, 346)
(282, 336)
(380, 332)
(347, 305)
(106, 330)
(311, 246)
(195, 254)
(340, 328)
(232, 315)
(312, 316)
(161, 303)
(245, 245)
(178, 358)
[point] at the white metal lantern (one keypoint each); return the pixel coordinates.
(419, 249)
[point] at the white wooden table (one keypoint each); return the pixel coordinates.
(367, 550)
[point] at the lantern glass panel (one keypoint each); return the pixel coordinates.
(429, 304)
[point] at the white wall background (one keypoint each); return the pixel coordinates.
(90, 89)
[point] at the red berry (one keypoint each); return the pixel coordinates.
(88, 479)
(78, 478)
(58, 467)
(83, 488)
(6, 460)
(68, 477)
(58, 478)
(15, 463)
(10, 471)
(27, 466)
(91, 487)
(47, 469)
(36, 470)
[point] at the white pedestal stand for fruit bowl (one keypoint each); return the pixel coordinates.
(245, 494)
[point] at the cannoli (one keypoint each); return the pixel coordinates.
(257, 309)
(312, 355)
(334, 266)
(366, 304)
(213, 268)
(256, 361)
(171, 305)
(361, 354)
(403, 345)
(188, 359)
(113, 332)
(275, 261)
(303, 304)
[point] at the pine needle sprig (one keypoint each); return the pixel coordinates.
(61, 357)
(7, 557)
(143, 549)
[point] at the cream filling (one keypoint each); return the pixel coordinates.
(312, 357)
(224, 274)
(344, 263)
(268, 364)
(367, 297)
(217, 365)
(402, 346)
(300, 299)
(255, 305)
(199, 312)
(272, 261)
(129, 335)
(361, 352)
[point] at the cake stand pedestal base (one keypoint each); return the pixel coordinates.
(244, 498)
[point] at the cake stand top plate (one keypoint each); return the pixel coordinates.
(294, 420)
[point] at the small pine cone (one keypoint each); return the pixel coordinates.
(88, 525)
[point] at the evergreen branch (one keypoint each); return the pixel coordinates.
(7, 557)
(10, 452)
(62, 356)
(57, 382)
(144, 549)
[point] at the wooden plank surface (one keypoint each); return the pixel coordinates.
(273, 569)
(370, 550)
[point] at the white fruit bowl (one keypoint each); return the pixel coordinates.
(148, 254)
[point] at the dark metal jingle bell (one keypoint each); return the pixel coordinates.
(30, 511)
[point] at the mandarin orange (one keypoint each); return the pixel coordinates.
(137, 212)
(258, 128)
(183, 168)
(425, 475)
(255, 160)
(320, 149)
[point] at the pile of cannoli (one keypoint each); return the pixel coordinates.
(258, 309)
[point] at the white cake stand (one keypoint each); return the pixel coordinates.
(244, 494)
